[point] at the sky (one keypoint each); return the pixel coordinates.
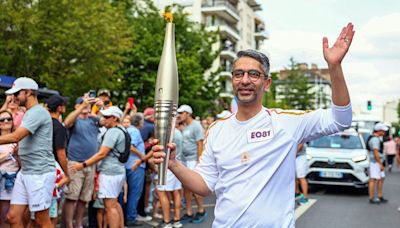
(372, 65)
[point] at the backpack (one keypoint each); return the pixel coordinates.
(369, 148)
(124, 155)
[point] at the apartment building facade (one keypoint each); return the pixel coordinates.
(238, 25)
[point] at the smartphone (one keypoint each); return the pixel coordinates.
(92, 93)
(131, 101)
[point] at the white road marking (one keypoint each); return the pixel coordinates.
(303, 208)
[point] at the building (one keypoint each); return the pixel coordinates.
(238, 25)
(319, 79)
(390, 112)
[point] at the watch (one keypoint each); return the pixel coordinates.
(84, 164)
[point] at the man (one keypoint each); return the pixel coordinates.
(301, 172)
(134, 168)
(193, 135)
(56, 105)
(104, 98)
(376, 167)
(35, 182)
(83, 130)
(249, 158)
(147, 133)
(111, 170)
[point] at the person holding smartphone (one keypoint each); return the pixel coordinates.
(104, 101)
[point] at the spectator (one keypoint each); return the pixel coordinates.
(376, 167)
(134, 168)
(9, 166)
(389, 147)
(35, 181)
(83, 131)
(17, 111)
(111, 170)
(301, 172)
(192, 148)
(104, 101)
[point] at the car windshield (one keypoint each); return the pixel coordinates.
(337, 141)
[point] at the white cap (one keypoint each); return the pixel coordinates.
(224, 114)
(185, 108)
(112, 111)
(380, 127)
(22, 83)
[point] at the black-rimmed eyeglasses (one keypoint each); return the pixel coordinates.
(254, 75)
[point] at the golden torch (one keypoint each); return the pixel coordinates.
(166, 96)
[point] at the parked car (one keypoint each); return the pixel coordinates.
(338, 159)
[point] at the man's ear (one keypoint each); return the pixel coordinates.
(267, 84)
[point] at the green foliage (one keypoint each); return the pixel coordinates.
(71, 46)
(296, 90)
(194, 56)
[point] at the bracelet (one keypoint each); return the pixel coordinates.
(84, 164)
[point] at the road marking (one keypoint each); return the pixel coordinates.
(303, 208)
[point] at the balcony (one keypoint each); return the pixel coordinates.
(261, 34)
(222, 9)
(228, 50)
(226, 31)
(254, 5)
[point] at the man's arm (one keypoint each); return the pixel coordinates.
(378, 159)
(62, 159)
(103, 152)
(334, 57)
(70, 119)
(14, 137)
(189, 178)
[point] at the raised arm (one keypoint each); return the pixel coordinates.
(334, 56)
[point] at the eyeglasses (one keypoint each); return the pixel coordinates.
(9, 119)
(254, 75)
(17, 93)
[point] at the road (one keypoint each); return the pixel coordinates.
(339, 208)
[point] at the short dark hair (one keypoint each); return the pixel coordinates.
(260, 57)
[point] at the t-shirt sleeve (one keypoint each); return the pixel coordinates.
(32, 120)
(207, 166)
(136, 138)
(375, 144)
(60, 138)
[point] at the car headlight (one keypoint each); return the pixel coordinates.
(309, 157)
(359, 158)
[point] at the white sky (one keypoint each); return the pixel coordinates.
(371, 67)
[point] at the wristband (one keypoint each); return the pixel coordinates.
(84, 164)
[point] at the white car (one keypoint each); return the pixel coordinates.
(338, 159)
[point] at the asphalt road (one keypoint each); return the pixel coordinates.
(333, 207)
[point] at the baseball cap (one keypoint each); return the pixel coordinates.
(104, 91)
(224, 114)
(55, 101)
(79, 100)
(185, 108)
(112, 111)
(148, 111)
(380, 127)
(22, 83)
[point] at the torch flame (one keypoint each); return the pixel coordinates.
(168, 16)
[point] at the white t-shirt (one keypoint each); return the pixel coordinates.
(250, 165)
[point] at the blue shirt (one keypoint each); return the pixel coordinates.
(147, 131)
(137, 141)
(83, 139)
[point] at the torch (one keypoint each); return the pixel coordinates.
(166, 96)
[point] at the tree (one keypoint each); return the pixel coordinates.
(296, 90)
(194, 56)
(71, 46)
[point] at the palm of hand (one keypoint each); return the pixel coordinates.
(336, 53)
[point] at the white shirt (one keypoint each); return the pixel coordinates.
(251, 164)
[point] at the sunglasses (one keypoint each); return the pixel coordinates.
(9, 119)
(17, 93)
(107, 117)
